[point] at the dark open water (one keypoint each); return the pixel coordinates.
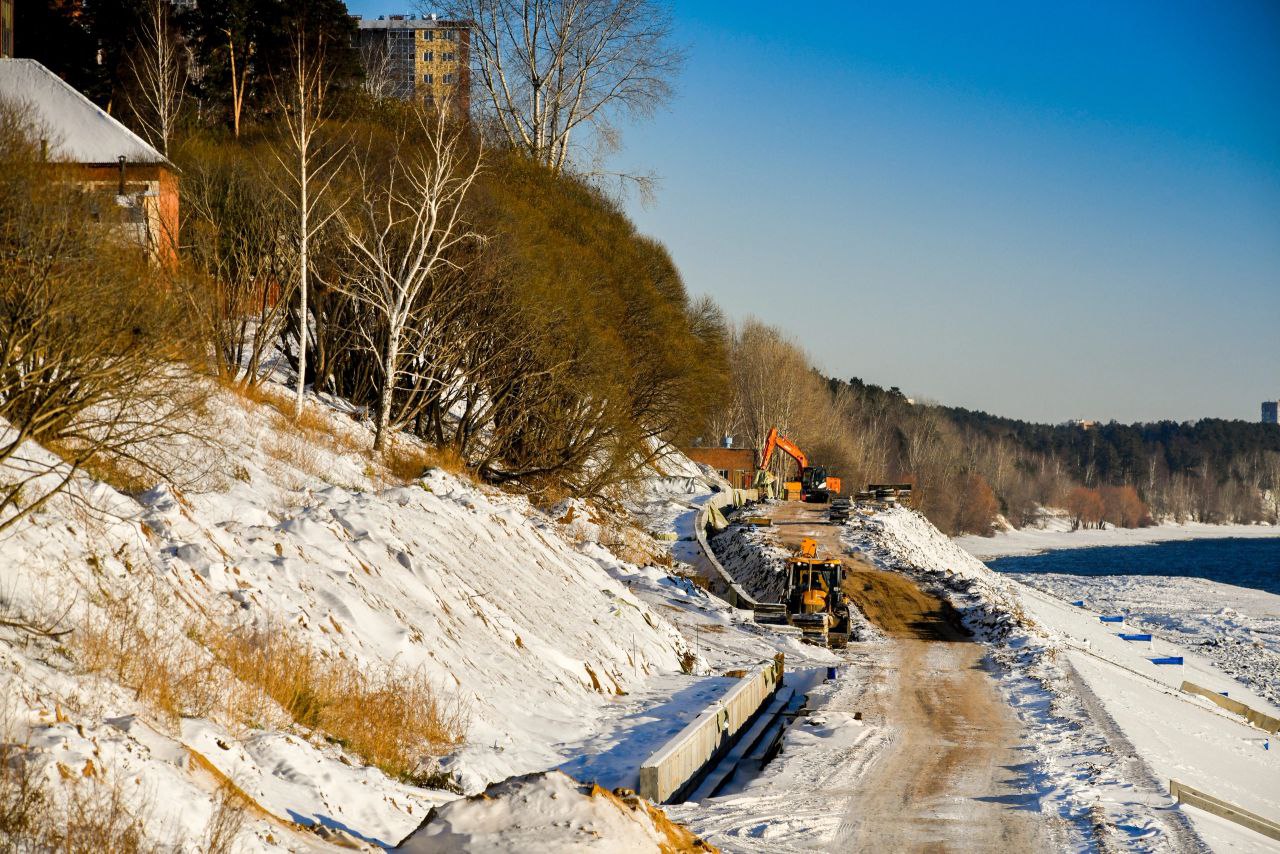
(1244, 563)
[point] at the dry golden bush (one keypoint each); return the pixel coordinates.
(131, 646)
(23, 799)
(406, 462)
(394, 719)
(120, 473)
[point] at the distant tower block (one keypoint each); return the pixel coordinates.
(1270, 412)
(6, 28)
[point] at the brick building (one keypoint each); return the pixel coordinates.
(425, 57)
(736, 465)
(133, 187)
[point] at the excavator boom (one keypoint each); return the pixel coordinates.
(776, 441)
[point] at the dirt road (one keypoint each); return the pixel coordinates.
(953, 775)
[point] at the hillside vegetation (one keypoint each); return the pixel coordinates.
(971, 469)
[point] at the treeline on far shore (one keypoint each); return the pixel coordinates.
(970, 469)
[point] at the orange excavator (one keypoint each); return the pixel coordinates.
(815, 484)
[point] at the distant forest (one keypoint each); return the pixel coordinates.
(1213, 470)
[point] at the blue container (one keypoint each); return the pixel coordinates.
(1135, 637)
(1172, 659)
(1079, 604)
(1117, 619)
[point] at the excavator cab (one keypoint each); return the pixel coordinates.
(813, 484)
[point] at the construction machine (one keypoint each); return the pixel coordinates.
(816, 602)
(814, 484)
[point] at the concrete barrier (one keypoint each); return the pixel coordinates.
(1259, 719)
(709, 566)
(1201, 800)
(681, 762)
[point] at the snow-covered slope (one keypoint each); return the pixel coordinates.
(473, 590)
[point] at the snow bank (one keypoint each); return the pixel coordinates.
(549, 813)
(1237, 628)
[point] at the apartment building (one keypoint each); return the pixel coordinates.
(408, 56)
(1270, 412)
(6, 28)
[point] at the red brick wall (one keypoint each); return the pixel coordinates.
(740, 463)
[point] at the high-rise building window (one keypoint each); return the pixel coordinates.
(448, 79)
(447, 35)
(448, 57)
(428, 56)
(426, 78)
(428, 35)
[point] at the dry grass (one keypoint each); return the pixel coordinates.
(122, 475)
(230, 810)
(85, 815)
(296, 440)
(406, 462)
(119, 640)
(393, 719)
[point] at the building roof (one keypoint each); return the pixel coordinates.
(406, 22)
(79, 131)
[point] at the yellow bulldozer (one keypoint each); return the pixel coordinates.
(816, 602)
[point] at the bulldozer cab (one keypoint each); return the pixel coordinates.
(814, 585)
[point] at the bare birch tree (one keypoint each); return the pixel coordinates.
(160, 74)
(379, 76)
(240, 76)
(403, 222)
(310, 170)
(552, 70)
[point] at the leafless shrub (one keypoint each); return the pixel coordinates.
(89, 358)
(230, 810)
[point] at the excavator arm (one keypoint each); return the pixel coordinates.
(776, 441)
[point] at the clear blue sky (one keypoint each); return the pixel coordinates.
(1047, 211)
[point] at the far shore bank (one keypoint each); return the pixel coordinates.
(1035, 540)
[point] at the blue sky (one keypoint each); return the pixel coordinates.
(1048, 211)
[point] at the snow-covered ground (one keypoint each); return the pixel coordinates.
(519, 618)
(1056, 533)
(560, 634)
(1114, 728)
(1237, 628)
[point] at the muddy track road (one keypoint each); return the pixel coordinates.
(954, 776)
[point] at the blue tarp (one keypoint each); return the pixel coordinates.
(1135, 637)
(1119, 619)
(1172, 659)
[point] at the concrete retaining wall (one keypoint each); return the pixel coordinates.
(709, 566)
(1259, 719)
(1208, 803)
(681, 761)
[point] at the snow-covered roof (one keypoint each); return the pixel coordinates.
(79, 130)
